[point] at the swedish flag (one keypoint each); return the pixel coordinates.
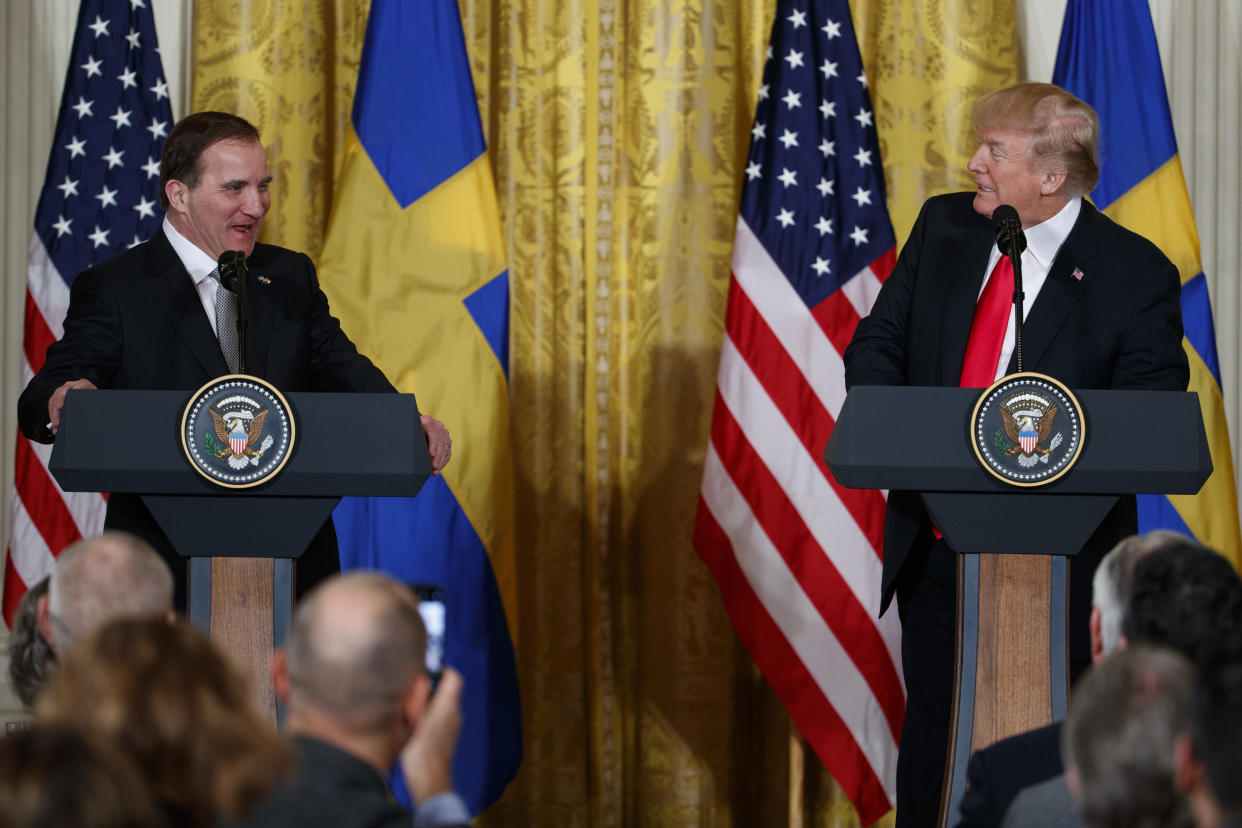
(415, 263)
(1109, 58)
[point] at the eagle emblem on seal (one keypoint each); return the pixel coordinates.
(239, 432)
(1027, 420)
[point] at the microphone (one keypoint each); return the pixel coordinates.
(233, 276)
(1012, 241)
(233, 272)
(1009, 236)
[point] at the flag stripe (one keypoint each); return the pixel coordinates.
(786, 386)
(823, 585)
(38, 335)
(798, 331)
(782, 598)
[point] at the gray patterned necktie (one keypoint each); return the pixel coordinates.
(226, 321)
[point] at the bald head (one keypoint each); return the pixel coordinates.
(111, 575)
(357, 645)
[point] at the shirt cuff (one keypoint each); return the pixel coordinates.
(442, 809)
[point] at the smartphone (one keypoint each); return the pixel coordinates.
(431, 607)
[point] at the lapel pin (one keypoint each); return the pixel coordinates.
(1077, 274)
(263, 280)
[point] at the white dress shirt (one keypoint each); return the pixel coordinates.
(1043, 242)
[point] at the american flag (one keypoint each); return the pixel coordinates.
(100, 196)
(797, 557)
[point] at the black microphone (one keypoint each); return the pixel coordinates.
(234, 276)
(1012, 241)
(1009, 236)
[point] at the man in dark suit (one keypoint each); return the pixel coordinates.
(1102, 311)
(150, 318)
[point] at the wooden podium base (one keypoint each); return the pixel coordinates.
(245, 605)
(1012, 660)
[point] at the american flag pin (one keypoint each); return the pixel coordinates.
(1077, 274)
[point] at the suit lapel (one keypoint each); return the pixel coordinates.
(260, 311)
(1061, 291)
(961, 294)
(174, 291)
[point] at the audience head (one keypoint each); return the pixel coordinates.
(53, 776)
(1118, 741)
(30, 654)
(1186, 597)
(179, 710)
(100, 578)
(1113, 581)
(1209, 759)
(355, 656)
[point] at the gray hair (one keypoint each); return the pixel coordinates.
(1126, 716)
(1110, 588)
(356, 646)
(111, 575)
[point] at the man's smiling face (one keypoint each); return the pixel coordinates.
(1003, 175)
(224, 209)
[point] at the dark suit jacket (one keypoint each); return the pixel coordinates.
(333, 789)
(136, 322)
(998, 772)
(1118, 326)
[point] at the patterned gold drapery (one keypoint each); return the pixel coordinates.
(617, 129)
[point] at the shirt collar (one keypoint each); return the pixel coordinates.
(197, 263)
(1045, 239)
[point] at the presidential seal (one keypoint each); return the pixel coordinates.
(237, 431)
(1027, 429)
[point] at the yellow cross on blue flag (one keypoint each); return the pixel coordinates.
(415, 261)
(1109, 58)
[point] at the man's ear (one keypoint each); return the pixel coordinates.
(1051, 183)
(1187, 770)
(176, 192)
(280, 675)
(414, 702)
(43, 615)
(1096, 625)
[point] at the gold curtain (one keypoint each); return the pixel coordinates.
(618, 130)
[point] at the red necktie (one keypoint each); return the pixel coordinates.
(987, 330)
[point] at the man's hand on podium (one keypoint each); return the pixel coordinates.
(439, 444)
(57, 401)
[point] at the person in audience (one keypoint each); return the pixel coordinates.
(1208, 757)
(356, 697)
(54, 776)
(1119, 738)
(1187, 598)
(998, 772)
(178, 709)
(99, 578)
(30, 654)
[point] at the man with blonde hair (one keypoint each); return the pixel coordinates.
(1101, 309)
(107, 576)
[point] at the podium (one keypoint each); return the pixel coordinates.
(242, 542)
(1014, 543)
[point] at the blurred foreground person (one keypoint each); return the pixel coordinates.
(1209, 757)
(356, 696)
(99, 578)
(31, 657)
(178, 709)
(53, 777)
(1119, 739)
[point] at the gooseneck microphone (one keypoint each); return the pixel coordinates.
(1012, 241)
(234, 276)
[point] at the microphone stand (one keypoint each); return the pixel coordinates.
(234, 276)
(1016, 257)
